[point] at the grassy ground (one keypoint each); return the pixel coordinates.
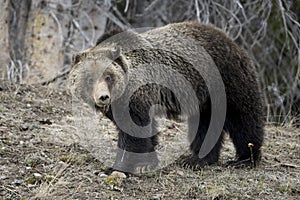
(36, 163)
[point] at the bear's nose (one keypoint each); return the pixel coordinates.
(104, 98)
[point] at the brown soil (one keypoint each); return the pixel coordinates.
(39, 160)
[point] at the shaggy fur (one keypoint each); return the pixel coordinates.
(244, 117)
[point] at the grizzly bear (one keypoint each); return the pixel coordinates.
(179, 69)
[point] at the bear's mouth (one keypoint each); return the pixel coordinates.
(102, 107)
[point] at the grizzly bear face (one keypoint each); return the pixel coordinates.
(102, 76)
(102, 87)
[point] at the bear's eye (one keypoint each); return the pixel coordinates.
(108, 78)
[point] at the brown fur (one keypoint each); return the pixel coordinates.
(244, 117)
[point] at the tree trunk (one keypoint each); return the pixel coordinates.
(18, 18)
(4, 41)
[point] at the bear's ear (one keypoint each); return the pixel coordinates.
(121, 60)
(116, 52)
(79, 56)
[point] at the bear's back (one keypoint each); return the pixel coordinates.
(236, 68)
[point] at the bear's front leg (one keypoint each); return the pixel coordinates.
(135, 155)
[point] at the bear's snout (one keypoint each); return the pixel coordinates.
(101, 94)
(104, 99)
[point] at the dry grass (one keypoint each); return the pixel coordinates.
(37, 164)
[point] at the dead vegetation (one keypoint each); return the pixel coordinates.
(36, 163)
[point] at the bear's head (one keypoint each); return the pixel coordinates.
(98, 76)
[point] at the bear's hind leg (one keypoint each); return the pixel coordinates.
(246, 133)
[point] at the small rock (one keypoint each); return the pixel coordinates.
(37, 175)
(103, 175)
(118, 174)
(17, 182)
(119, 189)
(24, 127)
(180, 173)
(31, 185)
